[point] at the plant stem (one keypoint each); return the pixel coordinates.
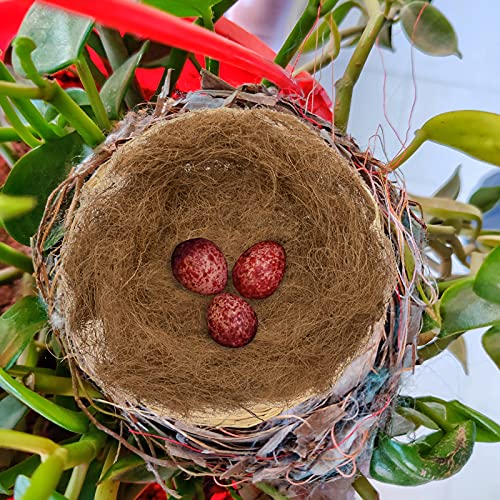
(18, 125)
(92, 93)
(46, 477)
(208, 23)
(76, 481)
(29, 110)
(27, 443)
(9, 134)
(117, 54)
(19, 90)
(418, 140)
(10, 274)
(299, 33)
(364, 488)
(344, 87)
(85, 450)
(12, 257)
(327, 6)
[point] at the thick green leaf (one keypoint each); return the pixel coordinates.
(487, 282)
(59, 37)
(485, 198)
(116, 86)
(406, 465)
(462, 310)
(22, 485)
(444, 209)
(459, 349)
(18, 325)
(476, 133)
(455, 412)
(37, 174)
(184, 8)
(14, 206)
(132, 469)
(8, 476)
(419, 419)
(451, 188)
(429, 30)
(68, 419)
(491, 344)
(11, 411)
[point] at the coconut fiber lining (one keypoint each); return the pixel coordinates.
(235, 177)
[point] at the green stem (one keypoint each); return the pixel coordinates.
(92, 93)
(345, 86)
(327, 6)
(9, 134)
(372, 7)
(46, 477)
(18, 125)
(19, 90)
(299, 33)
(443, 285)
(85, 450)
(29, 110)
(108, 490)
(364, 488)
(76, 481)
(208, 23)
(9, 275)
(221, 8)
(117, 54)
(27, 443)
(12, 257)
(418, 140)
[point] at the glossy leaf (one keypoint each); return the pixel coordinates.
(462, 310)
(183, 8)
(133, 469)
(476, 133)
(18, 325)
(14, 206)
(418, 418)
(59, 37)
(491, 344)
(11, 412)
(455, 412)
(487, 281)
(451, 188)
(70, 420)
(485, 198)
(444, 208)
(116, 86)
(406, 465)
(37, 174)
(428, 29)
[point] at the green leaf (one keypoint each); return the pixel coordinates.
(59, 37)
(37, 174)
(485, 198)
(22, 485)
(8, 476)
(11, 412)
(419, 419)
(183, 8)
(487, 281)
(451, 188)
(429, 30)
(444, 209)
(407, 465)
(67, 419)
(116, 86)
(462, 310)
(133, 469)
(476, 133)
(18, 325)
(14, 206)
(459, 349)
(491, 344)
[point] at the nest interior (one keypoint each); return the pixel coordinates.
(235, 177)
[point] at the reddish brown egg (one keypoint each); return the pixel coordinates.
(200, 266)
(232, 322)
(259, 270)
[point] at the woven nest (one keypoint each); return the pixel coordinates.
(299, 405)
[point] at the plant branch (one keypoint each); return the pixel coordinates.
(76, 481)
(344, 87)
(12, 257)
(15, 121)
(9, 274)
(27, 443)
(364, 488)
(418, 140)
(92, 93)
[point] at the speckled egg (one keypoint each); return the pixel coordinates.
(200, 266)
(259, 270)
(232, 322)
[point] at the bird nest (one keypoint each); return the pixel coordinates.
(300, 404)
